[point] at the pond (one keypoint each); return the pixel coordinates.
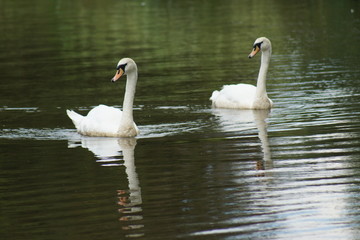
(194, 172)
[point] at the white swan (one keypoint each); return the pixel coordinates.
(246, 96)
(104, 121)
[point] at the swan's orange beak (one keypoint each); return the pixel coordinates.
(118, 75)
(254, 51)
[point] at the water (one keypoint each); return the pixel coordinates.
(194, 172)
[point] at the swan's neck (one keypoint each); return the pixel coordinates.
(127, 116)
(261, 81)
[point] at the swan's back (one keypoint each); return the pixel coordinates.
(100, 121)
(237, 96)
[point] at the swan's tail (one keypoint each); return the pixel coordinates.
(75, 117)
(214, 95)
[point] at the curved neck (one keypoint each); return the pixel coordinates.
(261, 81)
(129, 97)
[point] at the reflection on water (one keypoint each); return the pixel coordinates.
(241, 120)
(110, 152)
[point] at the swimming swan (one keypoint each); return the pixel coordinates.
(246, 96)
(104, 121)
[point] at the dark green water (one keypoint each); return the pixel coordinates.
(194, 172)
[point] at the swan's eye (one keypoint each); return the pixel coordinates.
(122, 66)
(257, 45)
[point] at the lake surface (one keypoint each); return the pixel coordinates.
(194, 172)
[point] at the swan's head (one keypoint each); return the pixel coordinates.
(260, 44)
(124, 67)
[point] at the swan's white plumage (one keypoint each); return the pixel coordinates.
(246, 96)
(105, 121)
(100, 121)
(237, 96)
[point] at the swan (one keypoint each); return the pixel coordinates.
(246, 96)
(105, 121)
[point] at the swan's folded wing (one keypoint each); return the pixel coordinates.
(238, 96)
(101, 120)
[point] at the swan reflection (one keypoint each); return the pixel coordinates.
(111, 152)
(232, 120)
